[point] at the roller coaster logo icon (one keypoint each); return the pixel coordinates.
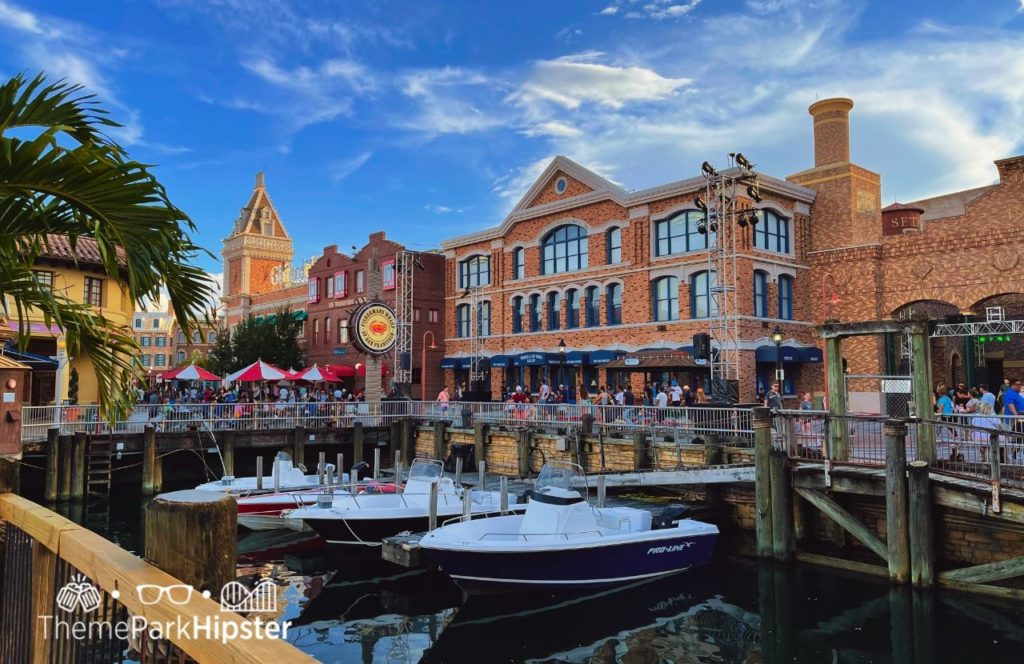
(236, 597)
(78, 594)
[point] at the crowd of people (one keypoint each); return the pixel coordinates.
(173, 394)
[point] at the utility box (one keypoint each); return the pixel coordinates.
(14, 392)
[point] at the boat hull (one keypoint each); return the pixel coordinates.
(372, 531)
(582, 567)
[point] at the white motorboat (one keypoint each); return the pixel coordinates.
(562, 541)
(366, 519)
(284, 477)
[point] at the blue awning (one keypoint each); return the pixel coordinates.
(603, 356)
(501, 361)
(30, 359)
(789, 354)
(575, 357)
(530, 359)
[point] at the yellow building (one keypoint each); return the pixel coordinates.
(81, 277)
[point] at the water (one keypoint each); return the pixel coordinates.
(355, 608)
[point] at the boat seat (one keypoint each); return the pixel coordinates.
(624, 519)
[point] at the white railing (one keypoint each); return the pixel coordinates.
(683, 421)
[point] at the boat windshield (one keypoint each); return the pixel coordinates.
(425, 470)
(557, 474)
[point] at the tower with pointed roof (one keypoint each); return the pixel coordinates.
(257, 254)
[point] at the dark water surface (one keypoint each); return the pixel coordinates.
(356, 608)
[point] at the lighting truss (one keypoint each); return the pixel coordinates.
(405, 262)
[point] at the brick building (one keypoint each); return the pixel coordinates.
(339, 282)
(623, 279)
(152, 331)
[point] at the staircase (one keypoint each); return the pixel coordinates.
(98, 462)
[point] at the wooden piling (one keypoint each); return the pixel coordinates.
(66, 462)
(995, 474)
(762, 419)
(259, 473)
(783, 539)
(922, 549)
(52, 463)
(191, 535)
(524, 441)
(439, 439)
(299, 443)
(432, 508)
(601, 490)
(376, 463)
(158, 472)
(481, 467)
(479, 437)
(639, 449)
(358, 439)
(148, 459)
(10, 469)
(394, 436)
(407, 440)
(227, 453)
(503, 494)
(321, 468)
(897, 535)
(78, 448)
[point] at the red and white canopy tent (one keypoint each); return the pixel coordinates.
(314, 374)
(191, 372)
(257, 371)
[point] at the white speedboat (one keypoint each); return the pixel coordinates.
(562, 541)
(366, 519)
(284, 476)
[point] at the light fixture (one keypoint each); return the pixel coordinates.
(777, 335)
(432, 345)
(11, 383)
(561, 347)
(699, 202)
(708, 169)
(754, 192)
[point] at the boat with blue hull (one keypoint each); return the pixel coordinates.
(562, 541)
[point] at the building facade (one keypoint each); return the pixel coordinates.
(338, 283)
(152, 332)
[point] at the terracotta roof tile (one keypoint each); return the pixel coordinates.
(86, 250)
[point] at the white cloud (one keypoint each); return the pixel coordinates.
(24, 20)
(441, 209)
(574, 80)
(1021, 8)
(552, 128)
(611, 10)
(655, 9)
(450, 100)
(342, 169)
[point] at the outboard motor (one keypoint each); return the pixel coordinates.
(668, 517)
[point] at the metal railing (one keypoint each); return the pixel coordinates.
(729, 422)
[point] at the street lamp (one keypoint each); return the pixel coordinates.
(777, 338)
(561, 361)
(423, 363)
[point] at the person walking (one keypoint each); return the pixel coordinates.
(443, 399)
(773, 399)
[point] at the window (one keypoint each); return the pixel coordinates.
(786, 297)
(388, 269)
(432, 316)
(156, 323)
(181, 356)
(94, 291)
(772, 234)
(147, 360)
(483, 319)
(328, 288)
(340, 284)
(593, 303)
(613, 302)
(517, 314)
(416, 315)
(316, 331)
(613, 242)
(45, 279)
(145, 342)
(702, 305)
(327, 330)
(138, 323)
(342, 331)
(561, 185)
(572, 309)
(160, 342)
(211, 337)
(554, 310)
(760, 293)
(564, 250)
(462, 320)
(314, 290)
(679, 233)
(519, 263)
(534, 313)
(181, 337)
(160, 360)
(665, 292)
(360, 281)
(197, 337)
(475, 271)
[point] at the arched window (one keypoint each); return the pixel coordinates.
(613, 242)
(519, 263)
(535, 313)
(181, 337)
(772, 233)
(211, 337)
(665, 293)
(181, 356)
(680, 233)
(475, 271)
(462, 320)
(572, 308)
(593, 303)
(517, 314)
(613, 300)
(483, 319)
(786, 297)
(564, 250)
(554, 310)
(760, 293)
(702, 304)
(197, 337)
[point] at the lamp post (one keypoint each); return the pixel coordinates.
(561, 361)
(777, 338)
(423, 363)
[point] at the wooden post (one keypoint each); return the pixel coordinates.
(525, 439)
(994, 473)
(639, 449)
(158, 471)
(601, 490)
(503, 494)
(321, 468)
(52, 463)
(783, 539)
(432, 508)
(259, 473)
(922, 552)
(479, 437)
(341, 466)
(762, 481)
(481, 468)
(376, 463)
(191, 535)
(897, 536)
(439, 440)
(920, 345)
(838, 444)
(227, 453)
(44, 574)
(299, 442)
(394, 436)
(407, 440)
(78, 466)
(66, 461)
(148, 459)
(10, 468)
(358, 438)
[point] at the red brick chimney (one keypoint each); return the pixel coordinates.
(831, 130)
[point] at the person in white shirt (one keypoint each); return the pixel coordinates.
(545, 391)
(619, 395)
(661, 402)
(677, 394)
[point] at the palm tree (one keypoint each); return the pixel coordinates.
(60, 174)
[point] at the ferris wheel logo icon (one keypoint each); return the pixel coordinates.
(78, 593)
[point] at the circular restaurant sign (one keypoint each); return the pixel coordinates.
(375, 328)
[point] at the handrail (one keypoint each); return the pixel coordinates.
(118, 574)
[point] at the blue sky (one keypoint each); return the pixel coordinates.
(430, 119)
